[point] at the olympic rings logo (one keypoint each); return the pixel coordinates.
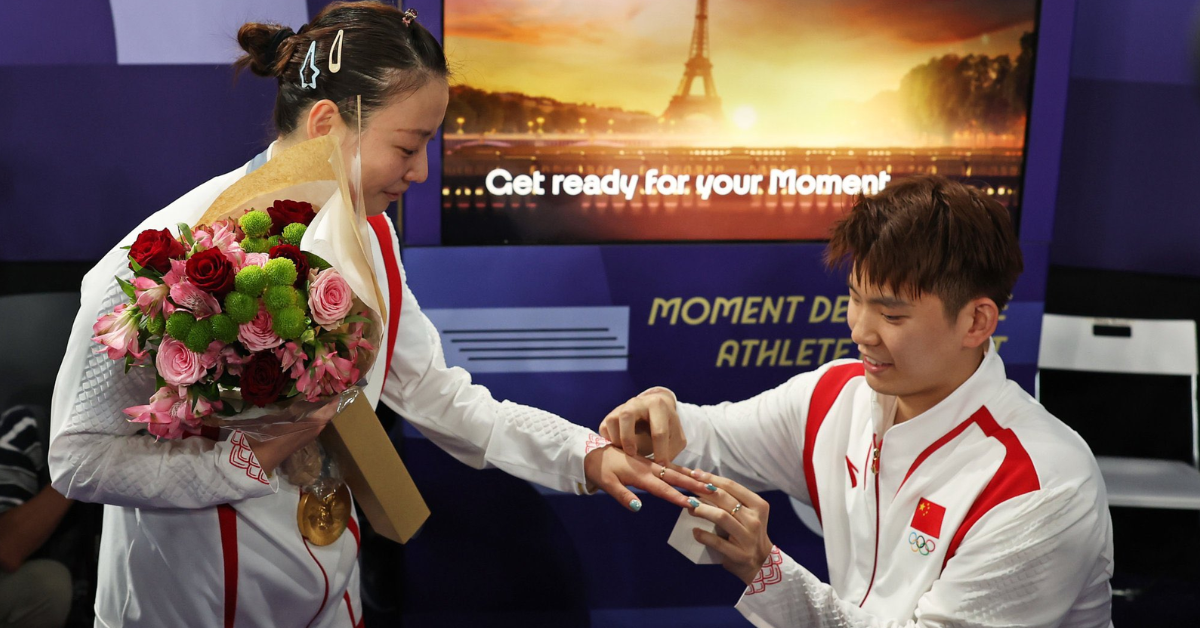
(920, 544)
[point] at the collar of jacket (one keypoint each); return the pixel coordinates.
(906, 441)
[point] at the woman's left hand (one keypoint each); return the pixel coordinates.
(743, 514)
(612, 470)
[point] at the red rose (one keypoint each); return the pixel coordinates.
(211, 272)
(292, 252)
(262, 379)
(154, 249)
(284, 213)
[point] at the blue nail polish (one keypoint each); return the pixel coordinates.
(635, 505)
(693, 502)
(710, 487)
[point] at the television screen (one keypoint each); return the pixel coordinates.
(690, 120)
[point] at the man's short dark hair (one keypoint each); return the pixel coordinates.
(930, 235)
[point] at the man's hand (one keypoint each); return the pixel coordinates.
(612, 471)
(743, 514)
(646, 424)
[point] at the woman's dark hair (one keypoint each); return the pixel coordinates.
(381, 57)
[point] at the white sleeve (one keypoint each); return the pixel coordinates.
(463, 418)
(759, 442)
(1023, 564)
(96, 454)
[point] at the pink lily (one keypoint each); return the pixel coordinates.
(200, 303)
(150, 295)
(170, 414)
(292, 357)
(118, 332)
(328, 374)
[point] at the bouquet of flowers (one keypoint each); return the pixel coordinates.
(233, 317)
(266, 310)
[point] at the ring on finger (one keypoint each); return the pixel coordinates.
(662, 473)
(735, 509)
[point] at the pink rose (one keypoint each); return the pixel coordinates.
(257, 335)
(329, 298)
(177, 364)
(118, 332)
(254, 259)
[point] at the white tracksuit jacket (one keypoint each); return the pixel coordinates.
(985, 511)
(195, 534)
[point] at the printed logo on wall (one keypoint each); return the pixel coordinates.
(534, 339)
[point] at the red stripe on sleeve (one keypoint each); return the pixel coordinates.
(826, 392)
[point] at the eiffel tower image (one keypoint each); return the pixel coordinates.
(684, 105)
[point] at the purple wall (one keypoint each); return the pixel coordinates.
(1127, 195)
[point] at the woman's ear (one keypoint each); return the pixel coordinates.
(323, 117)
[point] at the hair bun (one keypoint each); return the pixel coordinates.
(262, 43)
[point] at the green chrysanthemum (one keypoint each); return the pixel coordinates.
(223, 328)
(199, 337)
(289, 323)
(156, 325)
(279, 297)
(242, 308)
(293, 233)
(280, 272)
(255, 245)
(273, 241)
(255, 224)
(179, 324)
(251, 281)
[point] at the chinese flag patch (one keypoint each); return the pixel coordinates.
(928, 518)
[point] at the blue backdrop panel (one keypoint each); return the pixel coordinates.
(95, 149)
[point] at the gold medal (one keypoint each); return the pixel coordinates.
(322, 520)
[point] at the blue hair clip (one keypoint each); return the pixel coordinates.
(310, 63)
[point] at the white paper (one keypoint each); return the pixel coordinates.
(683, 541)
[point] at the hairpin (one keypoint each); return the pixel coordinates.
(336, 48)
(310, 62)
(409, 16)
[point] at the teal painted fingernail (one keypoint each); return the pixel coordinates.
(635, 505)
(693, 502)
(710, 487)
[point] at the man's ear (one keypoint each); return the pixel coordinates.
(322, 118)
(981, 316)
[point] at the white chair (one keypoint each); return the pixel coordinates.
(1147, 347)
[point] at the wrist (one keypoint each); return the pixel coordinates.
(663, 391)
(593, 466)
